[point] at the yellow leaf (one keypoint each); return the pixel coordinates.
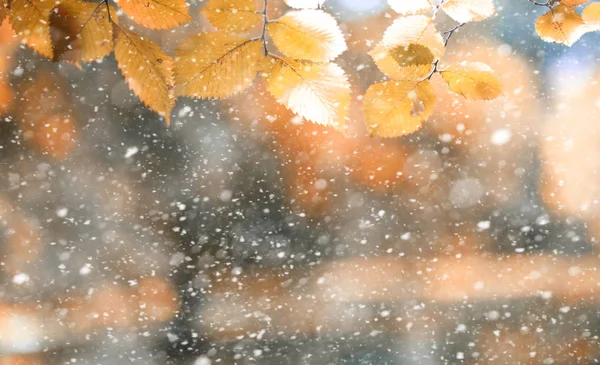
(236, 16)
(406, 7)
(309, 35)
(474, 81)
(591, 16)
(216, 65)
(412, 54)
(399, 69)
(319, 92)
(88, 33)
(574, 2)
(414, 29)
(305, 4)
(156, 14)
(31, 21)
(147, 70)
(397, 108)
(561, 24)
(464, 11)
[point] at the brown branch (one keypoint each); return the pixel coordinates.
(448, 34)
(548, 3)
(263, 36)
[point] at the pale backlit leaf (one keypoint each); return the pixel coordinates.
(414, 29)
(88, 33)
(147, 70)
(309, 35)
(561, 24)
(473, 80)
(407, 7)
(399, 69)
(397, 108)
(31, 21)
(319, 92)
(156, 14)
(305, 4)
(216, 65)
(236, 16)
(464, 11)
(591, 16)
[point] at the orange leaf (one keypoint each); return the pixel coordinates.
(574, 2)
(147, 70)
(31, 21)
(397, 108)
(561, 24)
(312, 35)
(591, 16)
(236, 16)
(84, 31)
(216, 65)
(156, 14)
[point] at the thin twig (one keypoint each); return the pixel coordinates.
(448, 34)
(546, 4)
(437, 8)
(108, 11)
(263, 36)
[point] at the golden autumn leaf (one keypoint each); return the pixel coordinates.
(412, 54)
(216, 65)
(30, 20)
(415, 30)
(473, 80)
(236, 16)
(405, 7)
(561, 24)
(397, 108)
(87, 33)
(305, 4)
(309, 35)
(574, 2)
(399, 69)
(591, 16)
(319, 92)
(464, 11)
(147, 70)
(156, 14)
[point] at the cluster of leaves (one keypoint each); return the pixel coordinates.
(301, 77)
(409, 55)
(79, 32)
(297, 65)
(563, 24)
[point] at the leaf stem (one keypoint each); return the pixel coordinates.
(107, 11)
(263, 36)
(448, 34)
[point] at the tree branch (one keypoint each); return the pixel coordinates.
(263, 38)
(546, 4)
(448, 34)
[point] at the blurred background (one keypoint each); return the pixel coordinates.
(242, 235)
